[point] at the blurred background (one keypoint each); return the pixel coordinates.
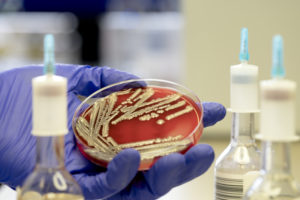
(189, 42)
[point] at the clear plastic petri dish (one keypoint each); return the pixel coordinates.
(155, 117)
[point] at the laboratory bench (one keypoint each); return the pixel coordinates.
(200, 188)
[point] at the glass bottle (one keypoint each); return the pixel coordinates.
(239, 163)
(50, 180)
(276, 181)
(277, 131)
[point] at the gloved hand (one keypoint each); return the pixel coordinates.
(120, 179)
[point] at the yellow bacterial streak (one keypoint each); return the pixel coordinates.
(103, 115)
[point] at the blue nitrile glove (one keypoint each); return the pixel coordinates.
(120, 179)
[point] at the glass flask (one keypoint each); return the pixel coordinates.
(277, 131)
(50, 180)
(276, 181)
(238, 164)
(155, 117)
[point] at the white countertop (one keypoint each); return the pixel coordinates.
(199, 188)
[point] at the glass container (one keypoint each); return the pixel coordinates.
(50, 180)
(238, 165)
(155, 117)
(276, 181)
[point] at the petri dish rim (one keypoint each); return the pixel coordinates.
(175, 87)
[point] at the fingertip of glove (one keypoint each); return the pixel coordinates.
(171, 159)
(168, 164)
(213, 112)
(200, 152)
(164, 174)
(123, 168)
(129, 155)
(111, 75)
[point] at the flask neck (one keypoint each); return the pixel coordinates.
(242, 130)
(50, 152)
(276, 157)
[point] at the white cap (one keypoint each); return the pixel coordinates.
(243, 88)
(49, 105)
(277, 122)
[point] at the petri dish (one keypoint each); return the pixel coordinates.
(155, 117)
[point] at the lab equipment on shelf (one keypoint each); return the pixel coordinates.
(49, 180)
(277, 132)
(21, 34)
(238, 164)
(145, 38)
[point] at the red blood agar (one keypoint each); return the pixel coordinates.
(149, 119)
